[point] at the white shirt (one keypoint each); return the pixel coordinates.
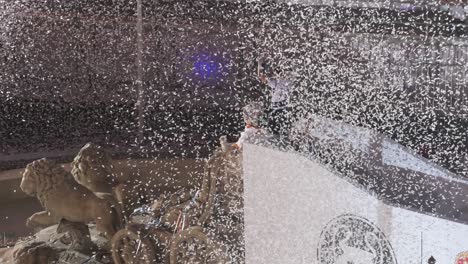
(280, 89)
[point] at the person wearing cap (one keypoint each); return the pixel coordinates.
(280, 87)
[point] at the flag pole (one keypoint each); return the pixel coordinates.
(421, 247)
(139, 62)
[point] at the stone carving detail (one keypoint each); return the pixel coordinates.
(185, 227)
(353, 239)
(93, 168)
(35, 252)
(69, 257)
(76, 236)
(180, 226)
(62, 197)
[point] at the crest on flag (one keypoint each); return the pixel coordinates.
(353, 239)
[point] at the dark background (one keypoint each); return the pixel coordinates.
(69, 74)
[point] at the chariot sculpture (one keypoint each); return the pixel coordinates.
(177, 228)
(199, 225)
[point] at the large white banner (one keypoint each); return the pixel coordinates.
(296, 211)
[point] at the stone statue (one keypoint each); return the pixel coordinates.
(222, 172)
(62, 197)
(29, 252)
(76, 236)
(92, 168)
(6, 255)
(35, 252)
(94, 192)
(183, 220)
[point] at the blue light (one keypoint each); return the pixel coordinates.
(207, 67)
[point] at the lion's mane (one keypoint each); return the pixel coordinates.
(47, 176)
(93, 161)
(62, 197)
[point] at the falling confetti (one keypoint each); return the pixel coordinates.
(155, 84)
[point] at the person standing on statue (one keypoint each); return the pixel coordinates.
(252, 114)
(280, 85)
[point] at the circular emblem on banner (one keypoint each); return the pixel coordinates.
(353, 239)
(462, 258)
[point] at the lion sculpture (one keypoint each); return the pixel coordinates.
(63, 198)
(93, 168)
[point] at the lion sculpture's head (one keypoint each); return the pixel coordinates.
(92, 168)
(41, 176)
